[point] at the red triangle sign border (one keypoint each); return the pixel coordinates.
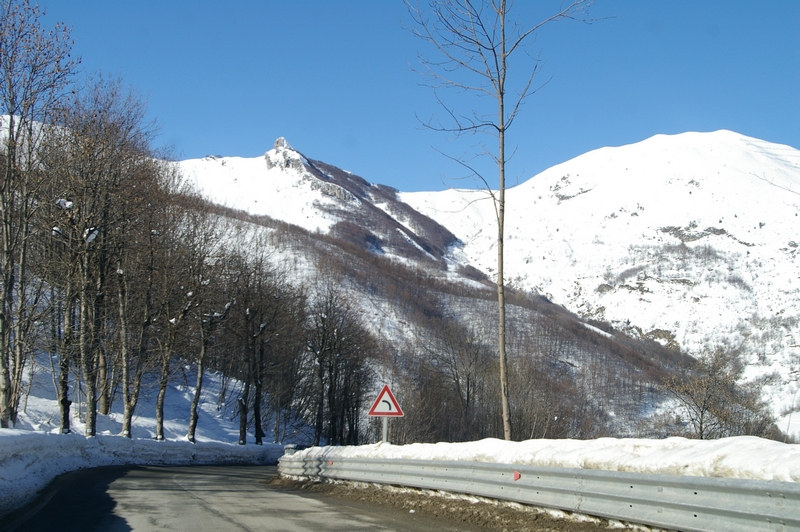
(386, 396)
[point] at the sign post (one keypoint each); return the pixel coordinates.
(385, 406)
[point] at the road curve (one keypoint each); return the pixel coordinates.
(196, 499)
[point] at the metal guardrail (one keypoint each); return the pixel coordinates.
(666, 501)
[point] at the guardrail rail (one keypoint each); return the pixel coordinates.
(666, 501)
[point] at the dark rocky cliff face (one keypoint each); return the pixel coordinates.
(372, 217)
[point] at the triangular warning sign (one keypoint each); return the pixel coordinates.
(386, 404)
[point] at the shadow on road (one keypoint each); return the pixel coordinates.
(75, 501)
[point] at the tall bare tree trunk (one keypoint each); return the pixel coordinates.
(34, 70)
(8, 194)
(243, 400)
(103, 389)
(320, 401)
(501, 220)
(162, 393)
(87, 359)
(6, 297)
(166, 360)
(64, 402)
(63, 345)
(198, 389)
(125, 355)
(27, 299)
(257, 391)
(473, 38)
(198, 386)
(131, 385)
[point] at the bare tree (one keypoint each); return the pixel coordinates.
(188, 245)
(141, 256)
(473, 41)
(339, 345)
(250, 326)
(208, 321)
(462, 357)
(96, 157)
(716, 403)
(35, 70)
(263, 335)
(213, 306)
(57, 266)
(283, 371)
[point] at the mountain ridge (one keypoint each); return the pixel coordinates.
(687, 239)
(317, 196)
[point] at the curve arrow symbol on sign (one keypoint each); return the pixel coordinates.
(385, 404)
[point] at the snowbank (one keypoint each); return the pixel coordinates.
(35, 453)
(31, 460)
(744, 457)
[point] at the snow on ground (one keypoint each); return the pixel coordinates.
(30, 460)
(32, 456)
(34, 453)
(744, 457)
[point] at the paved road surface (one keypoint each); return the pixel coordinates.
(197, 498)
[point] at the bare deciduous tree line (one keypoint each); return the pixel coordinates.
(116, 270)
(571, 378)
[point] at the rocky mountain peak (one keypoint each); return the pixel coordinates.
(282, 144)
(284, 156)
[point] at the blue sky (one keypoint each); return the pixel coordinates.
(335, 78)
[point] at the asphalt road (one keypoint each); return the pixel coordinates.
(196, 499)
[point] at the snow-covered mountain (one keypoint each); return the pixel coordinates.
(690, 240)
(687, 239)
(287, 186)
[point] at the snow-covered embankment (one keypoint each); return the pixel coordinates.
(31, 460)
(745, 457)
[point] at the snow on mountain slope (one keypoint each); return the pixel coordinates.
(689, 239)
(287, 186)
(283, 190)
